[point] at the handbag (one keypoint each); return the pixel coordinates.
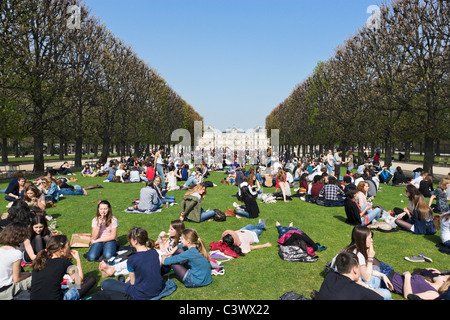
(219, 215)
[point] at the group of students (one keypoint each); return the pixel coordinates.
(356, 274)
(26, 238)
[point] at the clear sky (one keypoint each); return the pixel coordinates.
(233, 60)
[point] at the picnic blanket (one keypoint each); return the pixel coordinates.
(136, 210)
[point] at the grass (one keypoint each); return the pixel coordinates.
(245, 276)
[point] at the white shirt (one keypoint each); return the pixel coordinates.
(7, 258)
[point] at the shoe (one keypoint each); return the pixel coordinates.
(415, 258)
(425, 257)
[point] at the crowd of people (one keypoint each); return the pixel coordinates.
(26, 237)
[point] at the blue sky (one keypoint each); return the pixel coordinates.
(233, 60)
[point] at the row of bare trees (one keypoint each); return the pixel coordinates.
(383, 85)
(65, 77)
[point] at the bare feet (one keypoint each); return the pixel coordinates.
(106, 269)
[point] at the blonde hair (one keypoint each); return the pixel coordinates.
(443, 183)
(192, 236)
(196, 189)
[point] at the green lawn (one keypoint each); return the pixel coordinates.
(245, 276)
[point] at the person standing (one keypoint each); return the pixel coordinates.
(159, 165)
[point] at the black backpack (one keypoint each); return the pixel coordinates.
(219, 215)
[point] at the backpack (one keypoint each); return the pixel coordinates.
(295, 254)
(219, 215)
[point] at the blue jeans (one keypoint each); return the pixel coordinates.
(160, 170)
(375, 283)
(70, 192)
(330, 168)
(107, 248)
(374, 213)
(71, 294)
(242, 212)
(168, 199)
(114, 285)
(258, 229)
(190, 180)
(282, 230)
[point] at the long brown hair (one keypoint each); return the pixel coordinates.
(422, 207)
(179, 227)
(359, 240)
(109, 215)
(54, 244)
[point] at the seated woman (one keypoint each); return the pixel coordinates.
(88, 172)
(104, 233)
(191, 261)
(191, 205)
(420, 221)
(162, 194)
(356, 215)
(50, 189)
(195, 178)
(172, 178)
(399, 177)
(38, 236)
(242, 240)
(35, 199)
(145, 281)
(148, 198)
(441, 196)
(361, 198)
(247, 195)
(64, 169)
(426, 185)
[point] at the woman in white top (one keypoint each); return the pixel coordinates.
(171, 179)
(12, 279)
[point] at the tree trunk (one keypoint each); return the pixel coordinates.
(387, 153)
(38, 150)
(428, 158)
(5, 150)
(78, 151)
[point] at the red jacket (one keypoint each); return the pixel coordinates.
(223, 247)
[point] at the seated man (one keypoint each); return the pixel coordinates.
(384, 175)
(346, 284)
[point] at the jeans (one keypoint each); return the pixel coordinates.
(187, 280)
(71, 294)
(334, 203)
(282, 230)
(330, 169)
(190, 180)
(114, 285)
(374, 213)
(242, 212)
(375, 283)
(168, 199)
(258, 229)
(107, 248)
(160, 170)
(70, 192)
